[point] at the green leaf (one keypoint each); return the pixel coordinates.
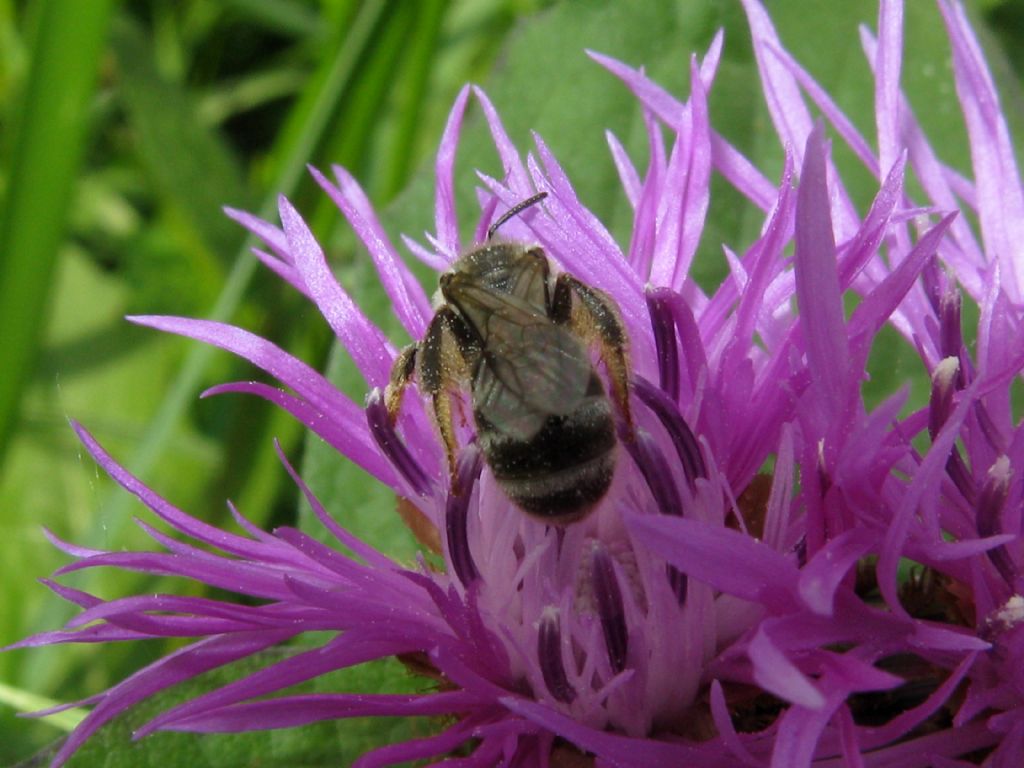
(49, 137)
(91, 356)
(292, 150)
(281, 16)
(191, 165)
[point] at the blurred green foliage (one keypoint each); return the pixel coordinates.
(125, 128)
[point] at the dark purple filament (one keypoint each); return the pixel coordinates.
(683, 439)
(456, 514)
(610, 608)
(657, 473)
(549, 653)
(391, 444)
(665, 343)
(994, 493)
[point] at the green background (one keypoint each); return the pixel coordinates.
(124, 127)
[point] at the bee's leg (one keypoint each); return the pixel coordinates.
(594, 316)
(402, 371)
(442, 363)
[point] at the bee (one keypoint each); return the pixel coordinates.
(519, 339)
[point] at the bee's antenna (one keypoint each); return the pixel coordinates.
(515, 210)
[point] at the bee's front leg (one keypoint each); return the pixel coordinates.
(443, 366)
(402, 371)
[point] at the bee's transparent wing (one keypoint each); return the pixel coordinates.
(529, 373)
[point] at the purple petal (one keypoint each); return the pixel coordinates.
(798, 733)
(410, 303)
(741, 173)
(65, 546)
(879, 305)
(292, 711)
(414, 477)
(446, 220)
(964, 548)
(283, 270)
(175, 607)
(789, 113)
(645, 220)
(849, 738)
(1000, 197)
(628, 176)
(776, 523)
(776, 673)
(183, 522)
(681, 219)
(180, 665)
(307, 382)
(943, 187)
(649, 93)
(726, 559)
(906, 721)
(925, 482)
(516, 177)
(820, 578)
(762, 262)
(817, 283)
(888, 61)
(726, 729)
(265, 231)
(204, 713)
(98, 634)
(354, 444)
(370, 555)
(860, 251)
(829, 109)
(929, 750)
(369, 348)
(618, 750)
(416, 750)
(428, 257)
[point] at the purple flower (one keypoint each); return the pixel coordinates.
(960, 514)
(705, 613)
